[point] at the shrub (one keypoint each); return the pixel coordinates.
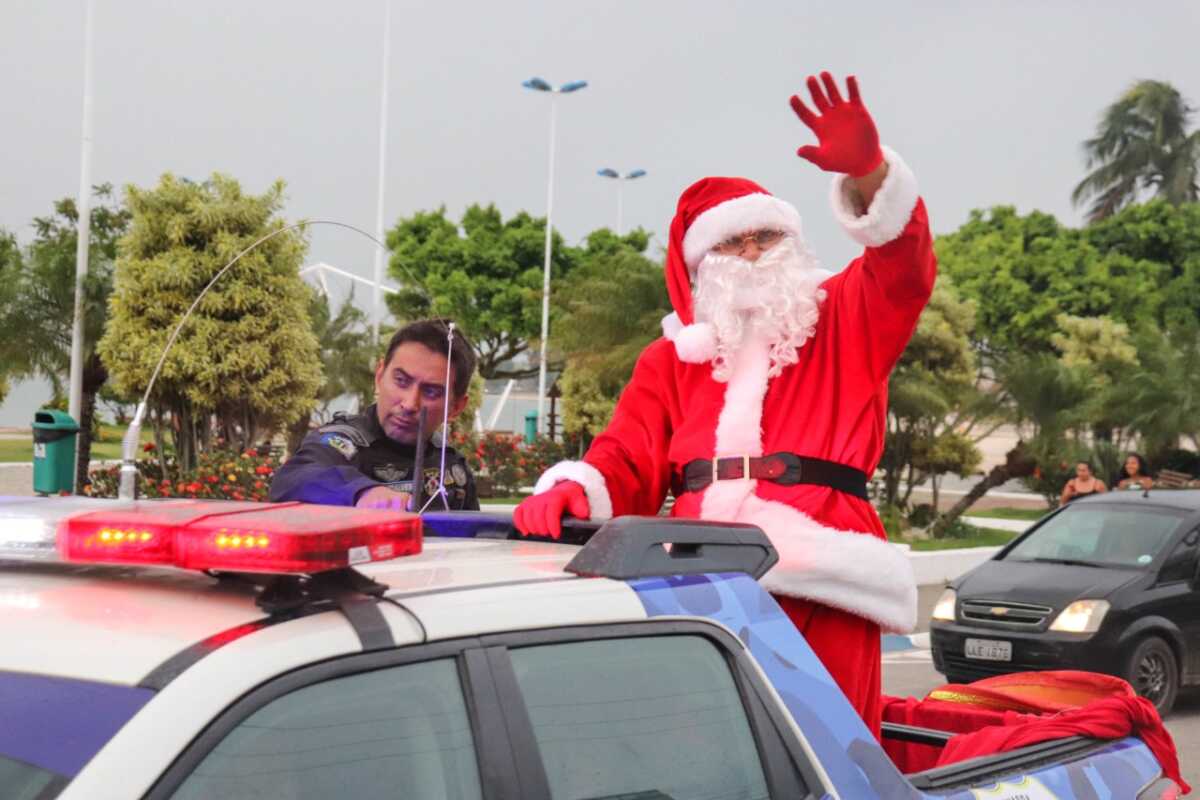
(220, 474)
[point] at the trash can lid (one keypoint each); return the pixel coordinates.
(54, 420)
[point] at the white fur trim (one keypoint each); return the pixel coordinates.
(695, 344)
(739, 428)
(587, 476)
(855, 572)
(890, 210)
(750, 212)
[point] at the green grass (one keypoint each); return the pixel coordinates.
(106, 447)
(1008, 512)
(501, 501)
(985, 537)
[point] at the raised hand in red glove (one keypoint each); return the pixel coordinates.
(541, 515)
(846, 135)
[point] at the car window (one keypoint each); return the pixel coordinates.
(20, 781)
(641, 717)
(400, 732)
(1181, 564)
(1102, 535)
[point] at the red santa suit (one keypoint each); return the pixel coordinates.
(838, 578)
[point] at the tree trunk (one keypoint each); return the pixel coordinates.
(933, 485)
(83, 448)
(1017, 464)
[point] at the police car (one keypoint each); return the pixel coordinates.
(198, 649)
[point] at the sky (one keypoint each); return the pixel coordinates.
(987, 102)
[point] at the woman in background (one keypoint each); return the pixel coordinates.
(1137, 475)
(1084, 483)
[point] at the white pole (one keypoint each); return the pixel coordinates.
(541, 406)
(84, 229)
(383, 120)
(620, 192)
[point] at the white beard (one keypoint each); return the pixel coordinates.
(776, 298)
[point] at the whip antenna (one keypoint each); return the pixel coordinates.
(441, 485)
(127, 487)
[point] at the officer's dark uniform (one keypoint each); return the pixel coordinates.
(339, 461)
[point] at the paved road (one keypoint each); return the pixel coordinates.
(911, 672)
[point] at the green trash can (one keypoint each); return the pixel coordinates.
(53, 451)
(530, 425)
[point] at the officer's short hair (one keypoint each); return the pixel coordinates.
(432, 333)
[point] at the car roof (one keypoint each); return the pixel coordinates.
(119, 624)
(1187, 499)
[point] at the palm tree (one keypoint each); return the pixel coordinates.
(1141, 144)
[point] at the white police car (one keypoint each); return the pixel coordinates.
(196, 649)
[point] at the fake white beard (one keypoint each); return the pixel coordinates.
(777, 297)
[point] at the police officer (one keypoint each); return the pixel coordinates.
(367, 460)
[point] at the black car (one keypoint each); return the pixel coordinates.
(1109, 583)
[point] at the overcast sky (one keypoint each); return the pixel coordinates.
(988, 102)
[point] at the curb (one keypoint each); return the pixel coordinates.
(894, 642)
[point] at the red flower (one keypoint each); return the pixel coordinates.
(212, 479)
(262, 469)
(251, 453)
(259, 485)
(239, 496)
(194, 487)
(148, 447)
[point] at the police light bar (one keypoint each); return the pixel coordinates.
(272, 538)
(275, 538)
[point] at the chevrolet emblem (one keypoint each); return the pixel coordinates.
(999, 611)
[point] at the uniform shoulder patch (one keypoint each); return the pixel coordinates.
(340, 443)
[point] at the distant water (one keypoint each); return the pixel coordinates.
(22, 401)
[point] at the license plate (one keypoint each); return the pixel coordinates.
(988, 650)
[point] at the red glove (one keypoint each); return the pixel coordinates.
(541, 515)
(848, 141)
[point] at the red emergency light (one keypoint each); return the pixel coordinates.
(275, 538)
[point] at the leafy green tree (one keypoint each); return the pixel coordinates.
(1022, 272)
(1104, 351)
(1142, 144)
(609, 309)
(246, 363)
(484, 272)
(348, 355)
(37, 305)
(935, 401)
(1161, 397)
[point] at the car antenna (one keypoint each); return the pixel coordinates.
(127, 485)
(418, 474)
(440, 491)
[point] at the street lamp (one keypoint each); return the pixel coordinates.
(539, 85)
(629, 176)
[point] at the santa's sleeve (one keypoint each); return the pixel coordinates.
(626, 470)
(878, 298)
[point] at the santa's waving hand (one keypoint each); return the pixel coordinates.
(765, 400)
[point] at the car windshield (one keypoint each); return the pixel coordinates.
(1101, 535)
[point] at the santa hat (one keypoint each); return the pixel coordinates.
(710, 211)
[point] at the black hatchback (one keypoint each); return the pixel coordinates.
(1109, 583)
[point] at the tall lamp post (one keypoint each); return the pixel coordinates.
(620, 179)
(539, 85)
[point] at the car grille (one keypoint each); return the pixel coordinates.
(1022, 616)
(968, 669)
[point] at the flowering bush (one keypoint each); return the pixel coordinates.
(503, 463)
(221, 474)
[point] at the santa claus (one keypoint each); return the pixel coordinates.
(765, 400)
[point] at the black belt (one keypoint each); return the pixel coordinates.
(786, 469)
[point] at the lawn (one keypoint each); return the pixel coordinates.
(107, 447)
(1008, 512)
(984, 537)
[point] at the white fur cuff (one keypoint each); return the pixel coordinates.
(587, 476)
(890, 210)
(855, 572)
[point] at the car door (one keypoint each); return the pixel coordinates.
(1180, 598)
(566, 713)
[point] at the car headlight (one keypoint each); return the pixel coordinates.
(944, 610)
(1082, 616)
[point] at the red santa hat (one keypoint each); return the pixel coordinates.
(710, 211)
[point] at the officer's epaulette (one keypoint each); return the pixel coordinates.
(353, 428)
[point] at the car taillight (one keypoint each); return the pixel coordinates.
(239, 537)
